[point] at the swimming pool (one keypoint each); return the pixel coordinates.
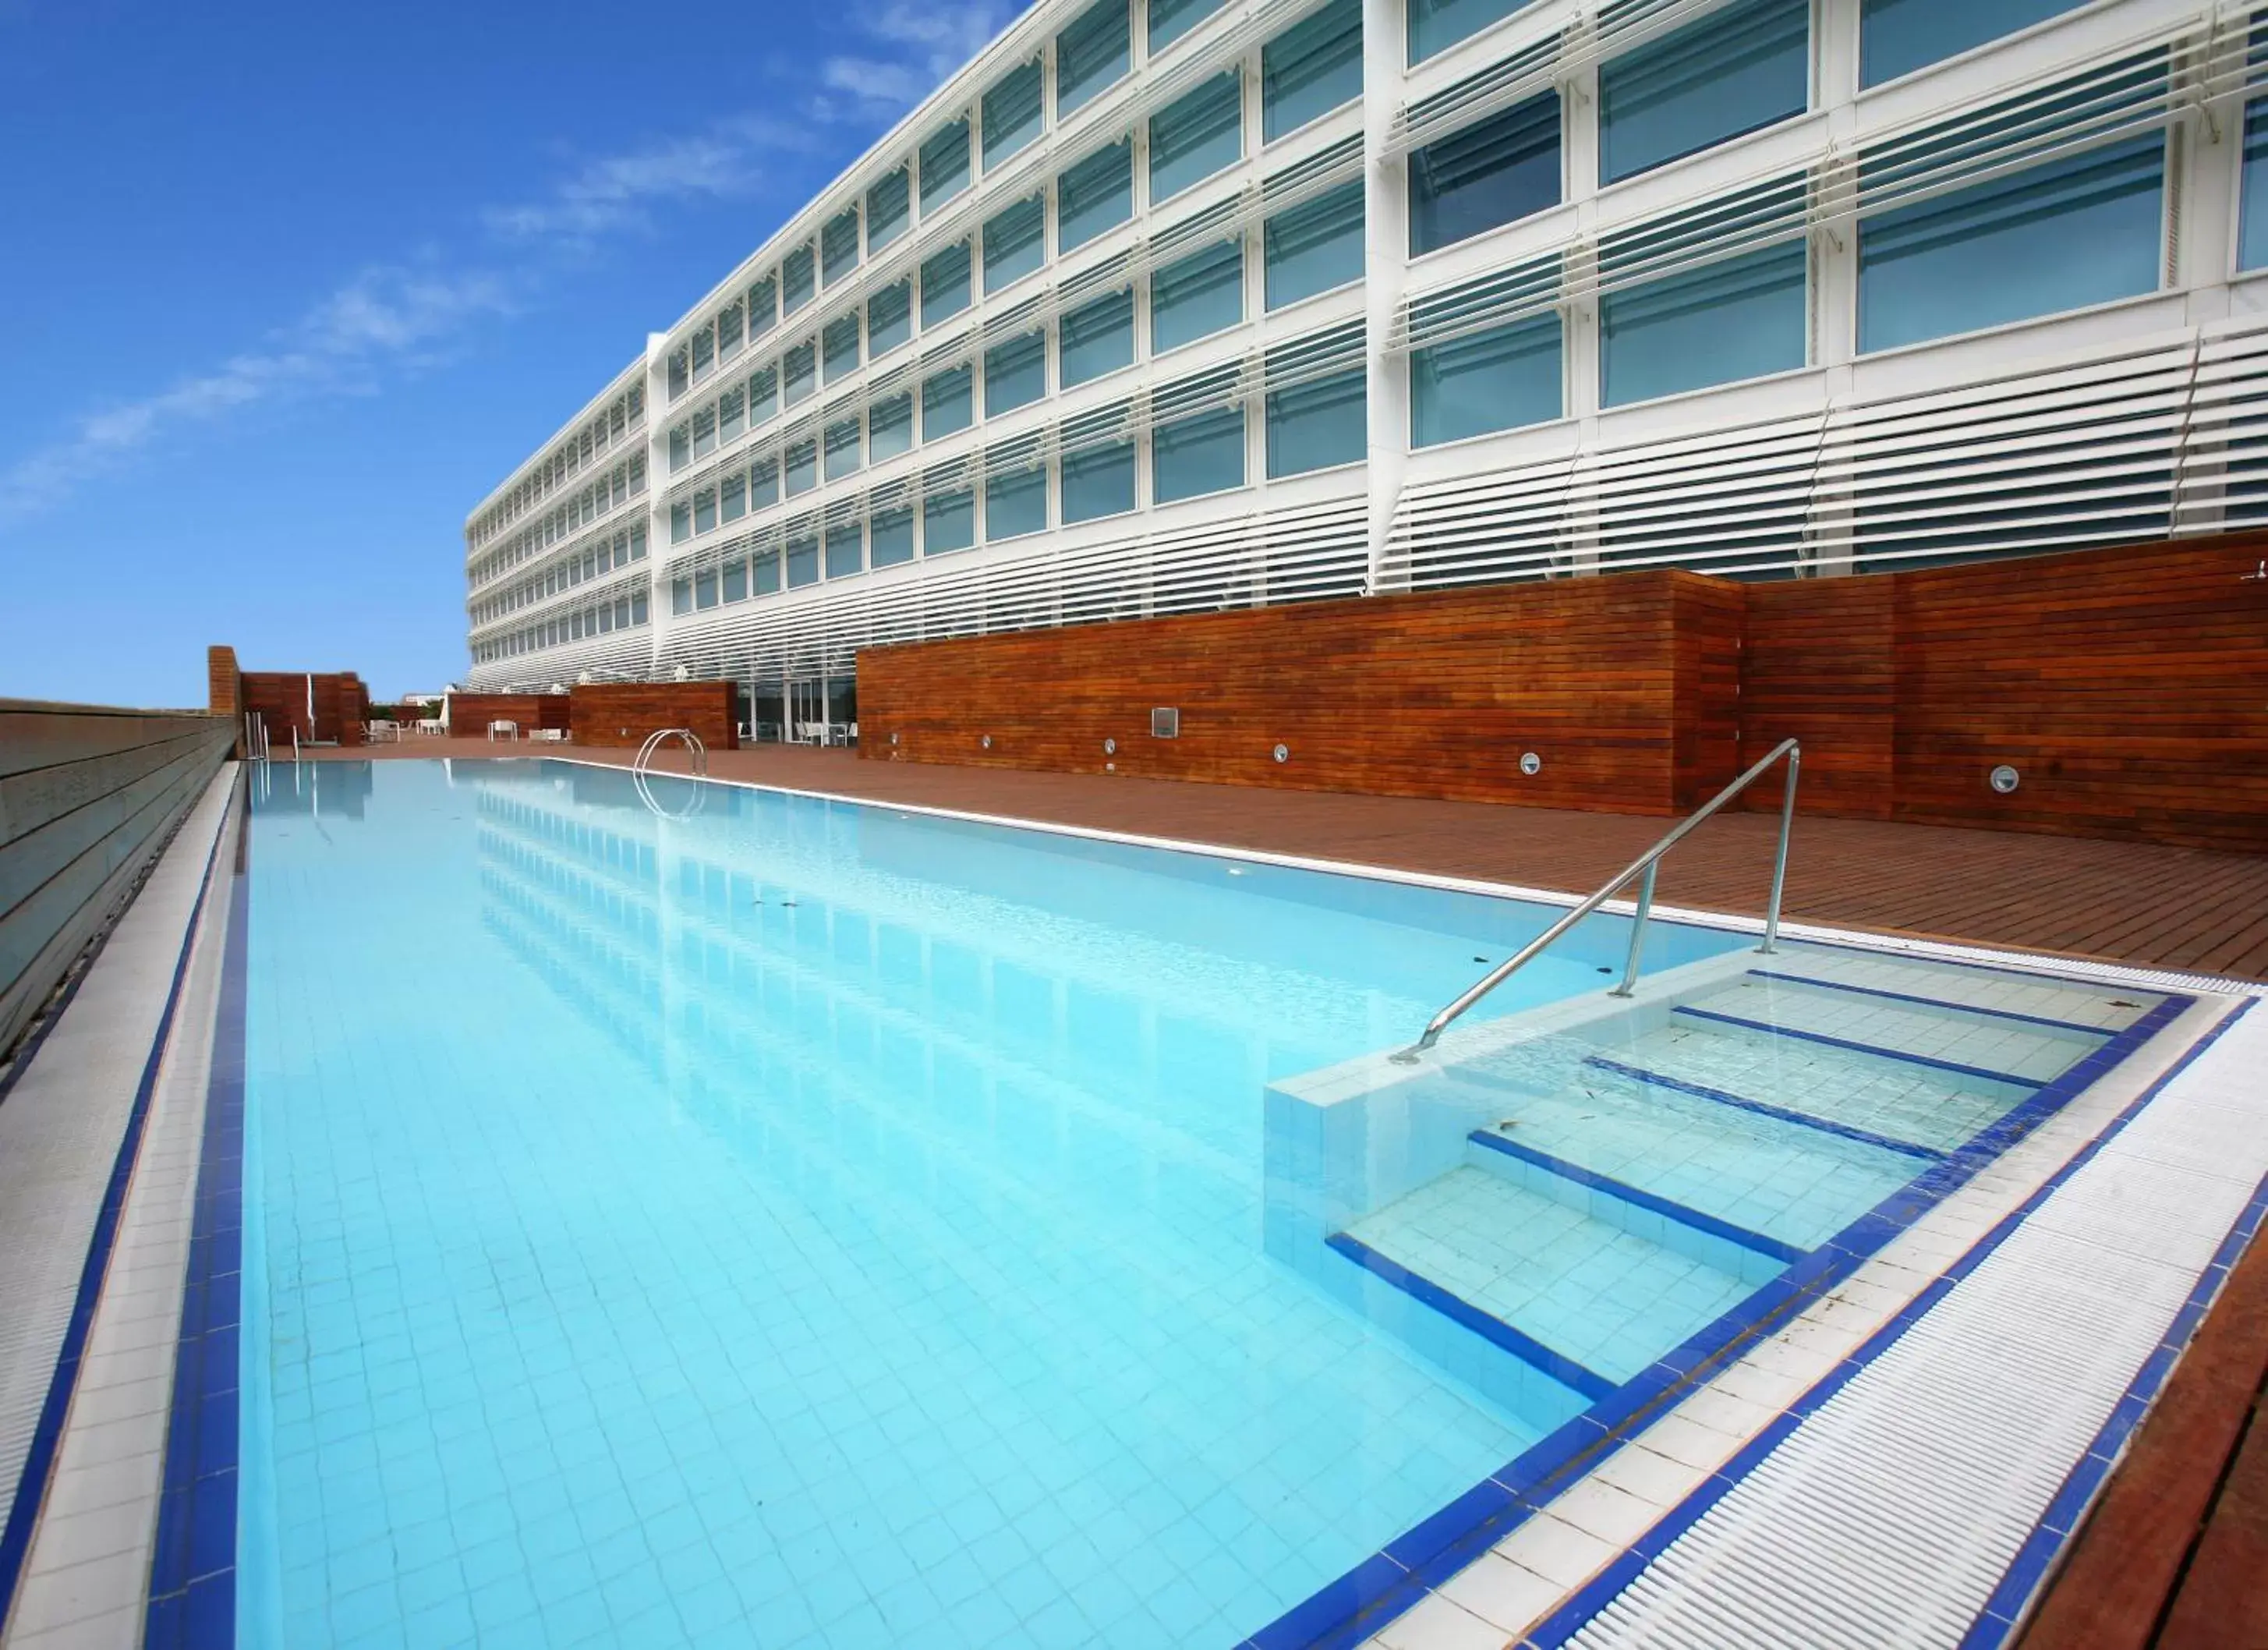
(804, 1223)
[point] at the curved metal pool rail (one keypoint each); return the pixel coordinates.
(1644, 865)
(693, 745)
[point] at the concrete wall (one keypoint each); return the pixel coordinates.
(86, 795)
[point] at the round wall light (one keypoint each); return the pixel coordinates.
(1110, 747)
(2006, 779)
(1283, 753)
(893, 739)
(986, 741)
(1530, 762)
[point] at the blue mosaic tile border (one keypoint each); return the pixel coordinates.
(192, 1604)
(47, 1432)
(1344, 1612)
(1638, 1197)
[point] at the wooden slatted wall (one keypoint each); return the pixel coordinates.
(624, 714)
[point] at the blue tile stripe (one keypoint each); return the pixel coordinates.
(1343, 1613)
(47, 1430)
(1848, 1132)
(1768, 1029)
(1641, 1198)
(1527, 1348)
(1931, 1002)
(1577, 1610)
(192, 1599)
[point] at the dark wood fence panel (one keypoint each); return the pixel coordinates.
(620, 714)
(1817, 666)
(470, 713)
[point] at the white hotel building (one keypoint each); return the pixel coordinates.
(1169, 305)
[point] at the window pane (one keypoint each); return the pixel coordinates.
(2252, 242)
(890, 535)
(2073, 233)
(1015, 242)
(1096, 338)
(704, 354)
(766, 567)
(1099, 482)
(802, 562)
(1096, 194)
(1315, 246)
(948, 404)
(795, 280)
(704, 432)
(889, 207)
(1437, 25)
(1735, 71)
(763, 307)
(799, 367)
(1493, 173)
(728, 330)
(763, 397)
(1091, 53)
(1170, 19)
(704, 588)
(1202, 453)
(1739, 318)
(843, 456)
(736, 580)
(732, 413)
(1015, 505)
(680, 523)
(1197, 135)
(679, 379)
(945, 283)
(889, 318)
(890, 427)
(1197, 296)
(1315, 425)
(846, 550)
(1311, 69)
(948, 522)
(732, 497)
(680, 595)
(1897, 37)
(1015, 373)
(681, 447)
(838, 246)
(1012, 113)
(802, 467)
(841, 342)
(704, 512)
(763, 482)
(1498, 380)
(944, 166)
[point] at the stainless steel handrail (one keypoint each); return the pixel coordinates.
(699, 751)
(1644, 866)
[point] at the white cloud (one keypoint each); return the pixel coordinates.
(916, 48)
(731, 160)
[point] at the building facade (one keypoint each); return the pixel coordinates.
(1162, 305)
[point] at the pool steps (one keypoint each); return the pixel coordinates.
(1638, 1177)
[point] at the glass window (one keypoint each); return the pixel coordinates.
(1093, 51)
(704, 354)
(948, 521)
(1496, 172)
(889, 318)
(1196, 296)
(1314, 246)
(1437, 25)
(1096, 338)
(802, 562)
(1736, 71)
(888, 210)
(765, 566)
(1099, 482)
(704, 588)
(679, 379)
(945, 283)
(2252, 235)
(947, 402)
(639, 607)
(763, 307)
(704, 432)
(842, 448)
(728, 331)
(2082, 231)
(1015, 373)
(763, 482)
(1015, 242)
(1897, 37)
(704, 513)
(681, 522)
(1015, 504)
(1096, 194)
(795, 280)
(1202, 453)
(763, 395)
(1170, 19)
(1315, 425)
(846, 550)
(1498, 380)
(1739, 318)
(1197, 135)
(736, 580)
(1311, 69)
(799, 366)
(802, 467)
(890, 427)
(732, 497)
(838, 246)
(680, 595)
(891, 537)
(1012, 113)
(840, 340)
(681, 447)
(732, 413)
(945, 165)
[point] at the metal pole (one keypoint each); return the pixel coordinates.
(1637, 932)
(1779, 860)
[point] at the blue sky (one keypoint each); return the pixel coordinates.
(290, 286)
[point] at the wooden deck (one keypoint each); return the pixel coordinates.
(2175, 908)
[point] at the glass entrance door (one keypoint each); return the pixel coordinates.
(806, 712)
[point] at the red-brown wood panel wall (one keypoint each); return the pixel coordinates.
(625, 713)
(470, 713)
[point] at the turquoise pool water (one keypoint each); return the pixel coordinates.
(808, 1225)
